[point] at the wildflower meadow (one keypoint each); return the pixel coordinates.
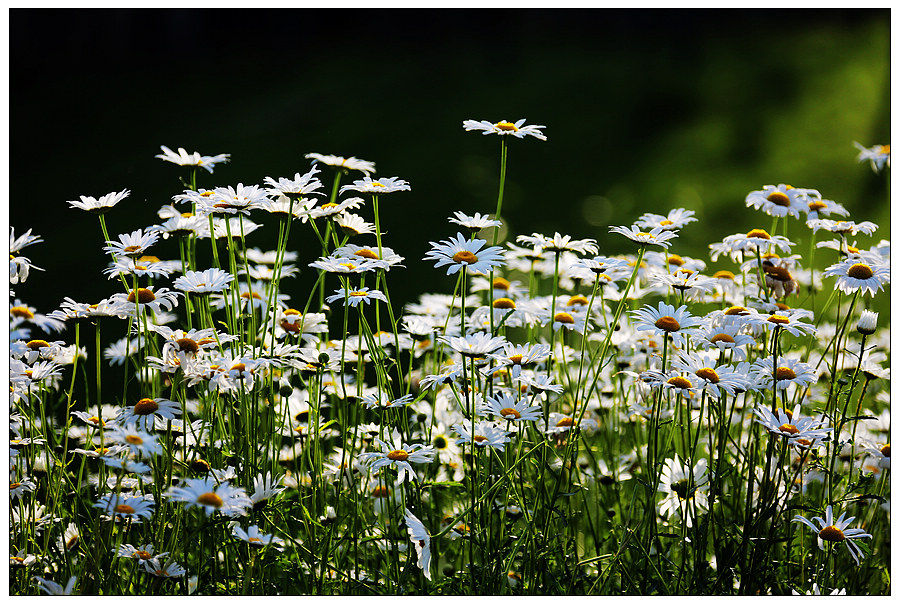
(550, 421)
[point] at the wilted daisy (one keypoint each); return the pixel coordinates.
(397, 456)
(354, 297)
(460, 253)
(380, 186)
(420, 539)
(203, 282)
(210, 496)
(657, 236)
(857, 274)
(517, 129)
(835, 531)
(878, 156)
(183, 158)
(343, 163)
(102, 205)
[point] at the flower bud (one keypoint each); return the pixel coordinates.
(867, 323)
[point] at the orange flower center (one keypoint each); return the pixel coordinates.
(668, 323)
(679, 382)
(134, 439)
(815, 206)
(675, 259)
(38, 344)
(21, 311)
(366, 253)
(516, 359)
(788, 428)
(506, 126)
(500, 283)
(504, 303)
(142, 554)
(142, 295)
(860, 271)
(831, 533)
(507, 411)
(758, 234)
(145, 406)
(785, 373)
(479, 438)
(735, 310)
(124, 509)
(210, 499)
(465, 256)
(723, 275)
(778, 320)
(577, 300)
(398, 455)
(187, 345)
(380, 492)
(709, 374)
(564, 317)
(722, 337)
(565, 422)
(779, 199)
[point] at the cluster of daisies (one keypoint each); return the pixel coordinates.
(236, 396)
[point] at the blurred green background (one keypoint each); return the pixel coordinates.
(645, 110)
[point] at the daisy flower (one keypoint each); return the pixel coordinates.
(474, 345)
(183, 158)
(353, 225)
(510, 408)
(685, 489)
(354, 297)
(690, 283)
(516, 356)
(460, 252)
(55, 589)
(857, 274)
(559, 243)
(786, 320)
(143, 413)
(570, 320)
(753, 240)
(711, 377)
(255, 537)
(159, 567)
(665, 319)
(343, 163)
(296, 187)
(127, 507)
(836, 531)
(474, 223)
(418, 536)
(845, 227)
(130, 266)
(539, 383)
(102, 205)
(17, 490)
(203, 282)
(878, 156)
(264, 489)
(331, 209)
(385, 258)
(724, 337)
(816, 208)
(233, 200)
(397, 456)
(182, 225)
(141, 553)
(559, 423)
(377, 187)
(137, 441)
(788, 371)
(504, 128)
(484, 434)
(657, 236)
(156, 300)
(675, 219)
(211, 497)
(799, 430)
(781, 200)
(133, 244)
(19, 266)
(675, 381)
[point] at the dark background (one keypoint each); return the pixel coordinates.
(646, 110)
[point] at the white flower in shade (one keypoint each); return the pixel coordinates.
(474, 345)
(353, 297)
(236, 226)
(845, 227)
(559, 243)
(300, 185)
(503, 128)
(255, 537)
(474, 223)
(139, 442)
(102, 205)
(484, 434)
(856, 274)
(666, 320)
(868, 321)
(781, 200)
(420, 539)
(158, 566)
(211, 497)
(878, 156)
(817, 207)
(264, 489)
(657, 236)
(141, 553)
(353, 225)
(143, 413)
(343, 163)
(130, 266)
(17, 490)
(675, 219)
(55, 589)
(183, 158)
(397, 456)
(203, 282)
(377, 187)
(685, 489)
(127, 507)
(818, 592)
(799, 430)
(156, 300)
(834, 530)
(132, 244)
(460, 253)
(538, 382)
(233, 200)
(510, 408)
(714, 378)
(377, 401)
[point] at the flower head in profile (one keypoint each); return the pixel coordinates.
(858, 273)
(211, 497)
(255, 537)
(483, 434)
(203, 282)
(474, 223)
(102, 205)
(559, 243)
(300, 185)
(504, 128)
(675, 219)
(55, 589)
(474, 345)
(418, 536)
(353, 297)
(835, 531)
(377, 187)
(126, 507)
(799, 430)
(781, 200)
(657, 236)
(132, 244)
(878, 156)
(343, 163)
(459, 252)
(183, 158)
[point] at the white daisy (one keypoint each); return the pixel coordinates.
(380, 186)
(211, 497)
(835, 531)
(183, 158)
(203, 282)
(344, 163)
(418, 536)
(857, 274)
(102, 205)
(503, 128)
(657, 236)
(353, 297)
(878, 156)
(460, 252)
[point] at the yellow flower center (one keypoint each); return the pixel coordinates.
(398, 455)
(479, 438)
(376, 184)
(358, 294)
(577, 300)
(860, 271)
(504, 303)
(785, 373)
(366, 253)
(668, 323)
(142, 554)
(22, 312)
(506, 126)
(516, 359)
(501, 283)
(14, 485)
(239, 367)
(380, 492)
(779, 199)
(679, 382)
(831, 533)
(735, 310)
(134, 439)
(788, 428)
(187, 345)
(709, 374)
(465, 256)
(38, 344)
(886, 450)
(145, 406)
(675, 259)
(564, 317)
(210, 499)
(254, 540)
(815, 206)
(254, 295)
(885, 149)
(142, 295)
(778, 320)
(665, 222)
(724, 275)
(124, 509)
(565, 422)
(131, 249)
(758, 234)
(507, 411)
(722, 337)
